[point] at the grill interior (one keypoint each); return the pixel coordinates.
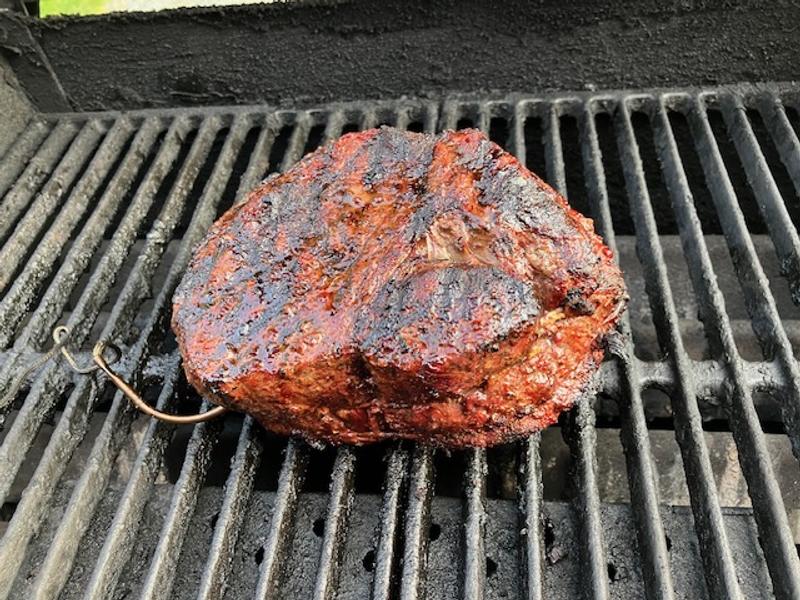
(697, 191)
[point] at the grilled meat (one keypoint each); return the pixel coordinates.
(399, 285)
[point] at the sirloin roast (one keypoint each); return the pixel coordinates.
(399, 285)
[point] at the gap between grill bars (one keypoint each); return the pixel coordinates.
(674, 481)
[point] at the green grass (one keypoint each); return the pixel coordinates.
(49, 8)
(73, 7)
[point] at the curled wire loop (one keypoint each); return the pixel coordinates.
(60, 336)
(103, 363)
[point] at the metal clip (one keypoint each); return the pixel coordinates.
(60, 335)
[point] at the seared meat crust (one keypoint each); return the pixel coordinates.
(399, 285)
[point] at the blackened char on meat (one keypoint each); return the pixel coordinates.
(399, 285)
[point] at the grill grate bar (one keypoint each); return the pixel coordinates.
(57, 565)
(390, 525)
(475, 479)
(475, 557)
(204, 436)
(784, 136)
(341, 499)
(581, 433)
(768, 507)
(634, 436)
(297, 141)
(531, 506)
(625, 379)
(333, 127)
(449, 117)
(582, 440)
(73, 423)
(484, 118)
(531, 462)
(238, 490)
(87, 493)
(121, 537)
(36, 332)
(42, 397)
(160, 577)
(259, 159)
(761, 304)
(55, 570)
(289, 484)
(712, 302)
(38, 403)
(20, 436)
(25, 146)
(248, 451)
(36, 215)
(418, 509)
(31, 508)
(18, 298)
(402, 119)
(770, 202)
(720, 569)
(368, 120)
(35, 174)
(431, 118)
(553, 151)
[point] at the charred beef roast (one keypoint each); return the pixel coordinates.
(399, 285)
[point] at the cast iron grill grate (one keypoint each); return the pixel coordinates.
(697, 191)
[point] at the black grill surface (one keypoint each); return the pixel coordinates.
(678, 479)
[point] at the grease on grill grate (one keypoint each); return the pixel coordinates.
(618, 499)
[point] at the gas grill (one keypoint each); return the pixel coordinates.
(677, 478)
